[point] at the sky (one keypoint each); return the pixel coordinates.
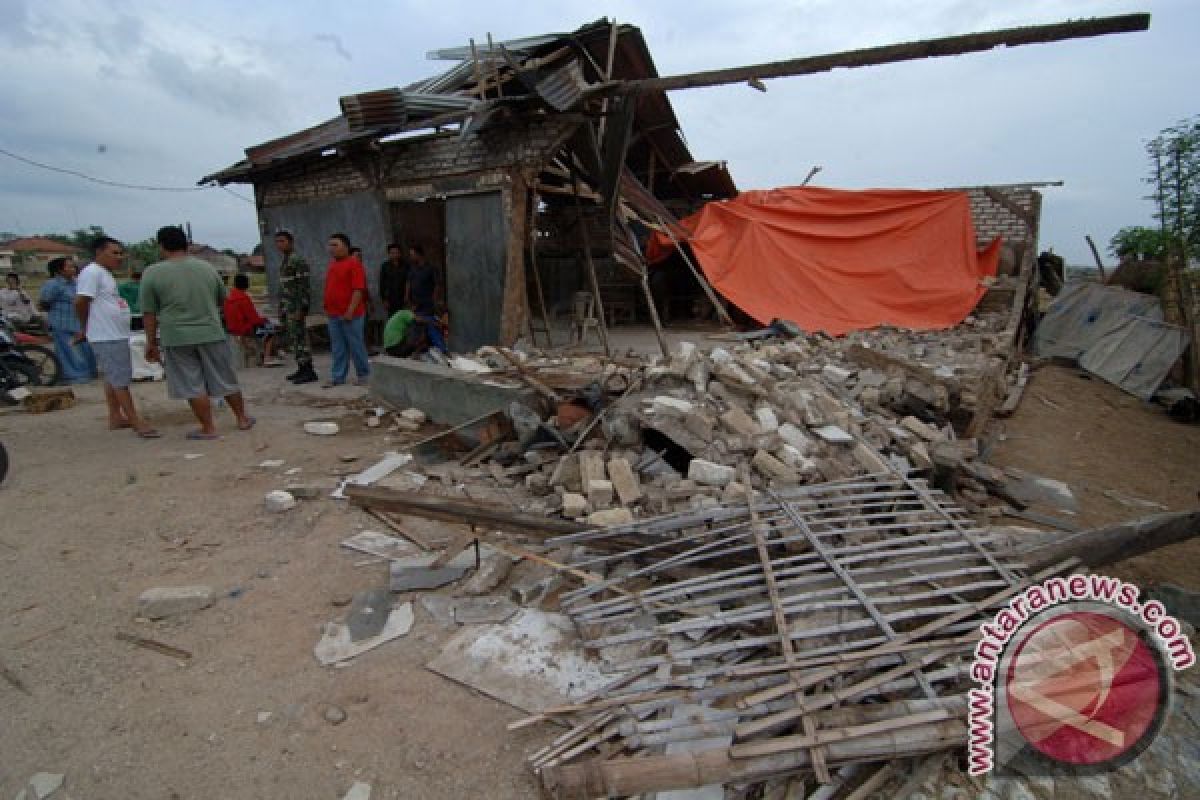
(163, 93)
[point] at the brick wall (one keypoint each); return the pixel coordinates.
(522, 144)
(993, 219)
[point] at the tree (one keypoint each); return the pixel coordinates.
(1175, 177)
(142, 254)
(1139, 243)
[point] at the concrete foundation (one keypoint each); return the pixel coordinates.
(448, 396)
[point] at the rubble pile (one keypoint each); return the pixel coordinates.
(613, 440)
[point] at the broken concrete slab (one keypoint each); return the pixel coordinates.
(574, 505)
(493, 569)
(738, 421)
(483, 610)
(408, 579)
(531, 662)
(359, 791)
(336, 644)
(771, 467)
(447, 395)
(386, 466)
(163, 602)
(379, 544)
(321, 428)
(41, 785)
(440, 609)
(368, 613)
(834, 434)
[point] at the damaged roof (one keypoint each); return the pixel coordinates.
(492, 82)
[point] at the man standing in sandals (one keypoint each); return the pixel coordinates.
(180, 298)
(295, 295)
(104, 324)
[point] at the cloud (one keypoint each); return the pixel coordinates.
(335, 42)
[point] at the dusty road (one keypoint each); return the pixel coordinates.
(90, 518)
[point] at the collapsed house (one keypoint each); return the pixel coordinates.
(532, 169)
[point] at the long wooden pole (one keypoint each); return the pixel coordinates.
(726, 320)
(905, 51)
(1096, 255)
(533, 265)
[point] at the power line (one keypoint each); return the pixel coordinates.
(117, 184)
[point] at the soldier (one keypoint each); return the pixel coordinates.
(294, 296)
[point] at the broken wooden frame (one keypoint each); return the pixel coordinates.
(784, 617)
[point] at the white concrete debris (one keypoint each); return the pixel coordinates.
(279, 501)
(710, 474)
(321, 428)
(170, 601)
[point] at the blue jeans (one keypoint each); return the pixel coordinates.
(347, 338)
(78, 363)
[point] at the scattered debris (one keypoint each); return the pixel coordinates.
(41, 786)
(321, 428)
(163, 602)
(368, 613)
(156, 646)
(407, 579)
(278, 501)
(334, 715)
(336, 644)
(483, 610)
(379, 544)
(359, 791)
(531, 662)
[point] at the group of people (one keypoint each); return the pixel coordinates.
(180, 300)
(408, 288)
(186, 311)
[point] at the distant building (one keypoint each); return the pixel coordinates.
(252, 263)
(222, 262)
(30, 254)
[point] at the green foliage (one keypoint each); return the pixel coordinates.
(1139, 243)
(1175, 177)
(142, 254)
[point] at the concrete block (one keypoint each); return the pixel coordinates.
(834, 434)
(591, 468)
(795, 437)
(611, 517)
(446, 395)
(624, 481)
(668, 404)
(709, 474)
(835, 374)
(574, 505)
(493, 569)
(699, 424)
(170, 601)
(926, 432)
(766, 418)
(600, 493)
(771, 467)
(739, 422)
(414, 415)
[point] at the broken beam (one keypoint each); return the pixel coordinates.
(448, 510)
(906, 51)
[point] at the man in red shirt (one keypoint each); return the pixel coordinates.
(242, 319)
(346, 308)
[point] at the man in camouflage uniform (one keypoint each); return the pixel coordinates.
(295, 292)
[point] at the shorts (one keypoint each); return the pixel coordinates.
(114, 362)
(200, 370)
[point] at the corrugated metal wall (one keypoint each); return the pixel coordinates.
(476, 265)
(361, 216)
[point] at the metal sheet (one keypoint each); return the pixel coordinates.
(360, 216)
(476, 262)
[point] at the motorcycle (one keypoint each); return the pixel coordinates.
(17, 370)
(36, 347)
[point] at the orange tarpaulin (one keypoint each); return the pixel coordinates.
(837, 261)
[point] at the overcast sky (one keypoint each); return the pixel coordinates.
(163, 93)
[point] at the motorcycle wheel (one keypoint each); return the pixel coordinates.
(15, 374)
(3, 462)
(48, 366)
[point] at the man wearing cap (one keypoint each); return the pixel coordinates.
(295, 295)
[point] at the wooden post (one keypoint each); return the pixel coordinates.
(726, 320)
(601, 322)
(608, 68)
(478, 71)
(1096, 255)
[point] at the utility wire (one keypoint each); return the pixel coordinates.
(118, 184)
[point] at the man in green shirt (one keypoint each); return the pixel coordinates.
(180, 299)
(396, 332)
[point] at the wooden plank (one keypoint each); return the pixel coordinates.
(906, 51)
(448, 510)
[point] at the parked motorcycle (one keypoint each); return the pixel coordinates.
(17, 370)
(37, 348)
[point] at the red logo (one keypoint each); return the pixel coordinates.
(1084, 688)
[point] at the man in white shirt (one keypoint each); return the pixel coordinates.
(104, 318)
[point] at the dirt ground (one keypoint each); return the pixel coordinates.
(91, 518)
